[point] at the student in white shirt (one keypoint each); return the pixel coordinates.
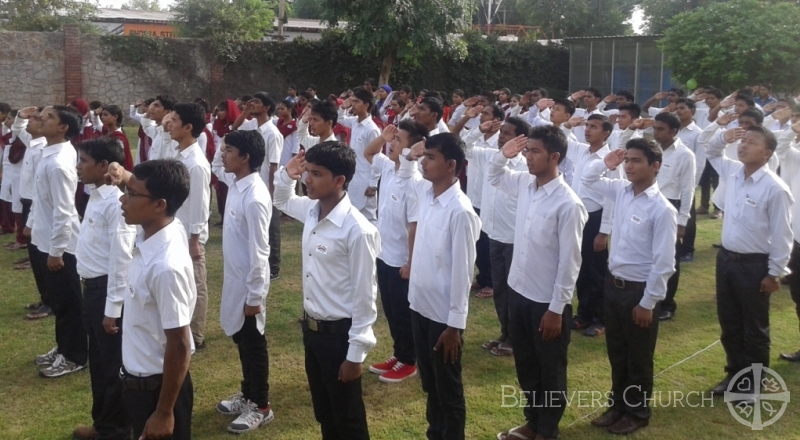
(54, 228)
(103, 253)
(156, 340)
(444, 262)
(429, 112)
(626, 114)
(756, 246)
(549, 222)
(153, 126)
(245, 285)
(9, 187)
(186, 125)
(560, 111)
(641, 260)
(261, 108)
(339, 287)
(363, 188)
(136, 112)
(689, 133)
(397, 225)
(672, 95)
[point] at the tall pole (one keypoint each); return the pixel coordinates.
(281, 14)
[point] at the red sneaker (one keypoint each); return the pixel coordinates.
(383, 367)
(399, 373)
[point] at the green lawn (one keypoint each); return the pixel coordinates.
(35, 408)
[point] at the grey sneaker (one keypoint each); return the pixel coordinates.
(233, 406)
(47, 358)
(251, 418)
(61, 367)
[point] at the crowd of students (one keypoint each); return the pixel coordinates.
(409, 197)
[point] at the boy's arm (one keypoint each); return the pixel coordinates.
(258, 216)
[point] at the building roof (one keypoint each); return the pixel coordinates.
(614, 37)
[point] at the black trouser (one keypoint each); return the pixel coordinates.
(338, 407)
(541, 366)
(140, 405)
(630, 349)
(687, 244)
(446, 409)
(709, 179)
(794, 277)
(484, 278)
(669, 305)
(743, 311)
(594, 265)
(275, 242)
(254, 358)
(500, 256)
(38, 274)
(394, 296)
(105, 361)
(62, 293)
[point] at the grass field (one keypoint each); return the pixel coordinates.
(35, 408)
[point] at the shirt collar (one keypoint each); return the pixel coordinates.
(552, 185)
(445, 197)
(53, 149)
(492, 139)
(246, 182)
(603, 151)
(331, 138)
(650, 192)
(761, 172)
(38, 142)
(691, 127)
(152, 246)
(263, 127)
(185, 153)
(338, 213)
(106, 191)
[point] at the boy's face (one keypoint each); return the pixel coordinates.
(558, 114)
(621, 100)
(712, 101)
(317, 125)
(435, 167)
(35, 124)
(177, 129)
(536, 95)
(683, 112)
(740, 106)
(636, 167)
(320, 182)
(256, 107)
(138, 205)
(590, 100)
(292, 92)
(424, 115)
(672, 97)
(231, 161)
(662, 133)
(457, 99)
(507, 132)
(399, 142)
(747, 122)
(537, 157)
(624, 119)
(51, 124)
(487, 115)
(90, 171)
(753, 149)
(359, 106)
(594, 132)
(157, 110)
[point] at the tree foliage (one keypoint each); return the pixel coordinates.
(735, 43)
(225, 22)
(142, 5)
(47, 15)
(577, 18)
(400, 29)
(306, 8)
(658, 12)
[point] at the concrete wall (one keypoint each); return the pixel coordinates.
(32, 68)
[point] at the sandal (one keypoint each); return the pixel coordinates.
(491, 344)
(502, 350)
(21, 261)
(37, 315)
(23, 266)
(513, 434)
(486, 292)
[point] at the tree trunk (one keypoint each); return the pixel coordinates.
(386, 66)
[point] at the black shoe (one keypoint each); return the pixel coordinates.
(666, 315)
(200, 346)
(720, 388)
(791, 357)
(628, 424)
(274, 276)
(608, 418)
(687, 257)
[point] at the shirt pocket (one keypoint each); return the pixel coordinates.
(438, 239)
(543, 233)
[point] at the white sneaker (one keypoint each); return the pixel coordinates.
(61, 367)
(250, 419)
(233, 406)
(47, 358)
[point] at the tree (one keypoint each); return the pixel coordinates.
(306, 8)
(577, 18)
(47, 15)
(744, 42)
(142, 5)
(659, 12)
(226, 23)
(400, 29)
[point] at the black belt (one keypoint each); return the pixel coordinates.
(621, 284)
(95, 283)
(745, 258)
(341, 326)
(26, 201)
(136, 383)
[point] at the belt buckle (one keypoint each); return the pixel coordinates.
(312, 324)
(619, 283)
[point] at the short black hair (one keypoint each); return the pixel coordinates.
(542, 91)
(670, 119)
(747, 99)
(266, 101)
(521, 126)
(606, 123)
(552, 138)
(627, 95)
(363, 95)
(5, 107)
(335, 156)
(116, 111)
(71, 118)
(104, 148)
(451, 146)
(416, 131)
(715, 91)
(649, 148)
(166, 179)
(434, 105)
(371, 81)
(766, 85)
(676, 91)
(633, 109)
(497, 112)
(753, 113)
(312, 87)
(94, 105)
(192, 113)
(326, 111)
(594, 92)
(167, 101)
(248, 142)
(203, 103)
(245, 98)
(460, 93)
(568, 105)
(13, 112)
(149, 101)
(293, 87)
(688, 102)
(769, 137)
(746, 90)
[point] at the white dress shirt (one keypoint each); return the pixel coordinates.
(548, 234)
(395, 212)
(33, 153)
(245, 248)
(645, 230)
(789, 155)
(161, 296)
(105, 245)
(475, 174)
(53, 219)
(10, 182)
(500, 208)
(339, 251)
(676, 178)
(758, 216)
(305, 140)
(194, 212)
(689, 135)
(614, 140)
(581, 156)
(361, 134)
(444, 249)
(273, 140)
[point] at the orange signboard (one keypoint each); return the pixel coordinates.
(148, 30)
